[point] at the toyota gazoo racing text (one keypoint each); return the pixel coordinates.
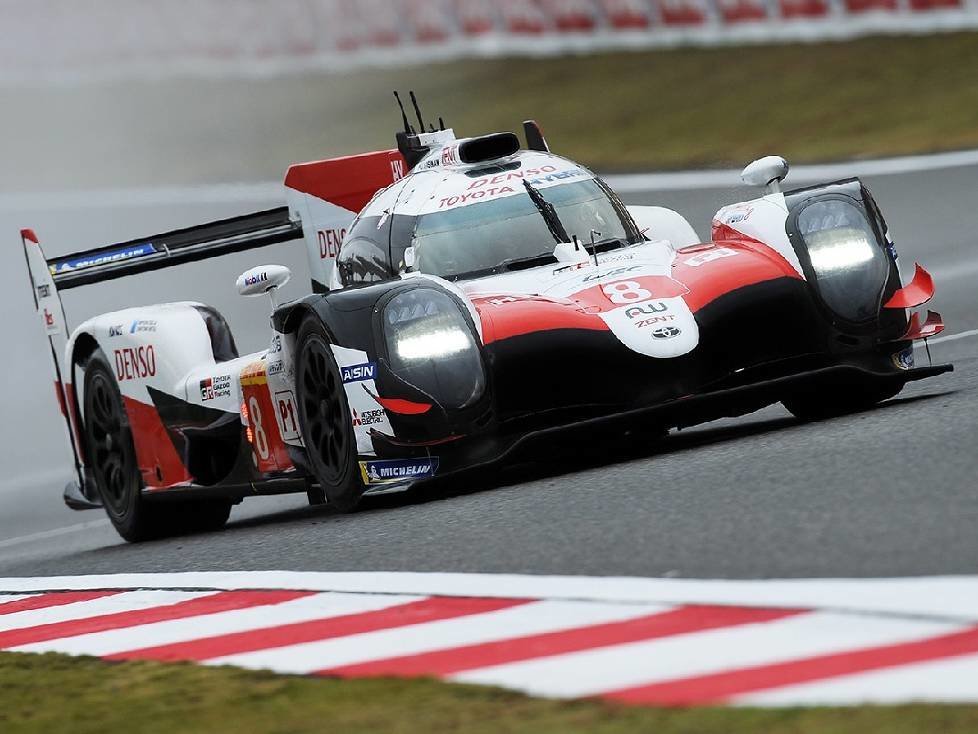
(468, 296)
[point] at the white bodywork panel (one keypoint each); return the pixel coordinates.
(763, 220)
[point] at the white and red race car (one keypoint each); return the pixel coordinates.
(469, 296)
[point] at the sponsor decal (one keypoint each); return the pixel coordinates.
(50, 324)
(709, 256)
(575, 266)
(215, 387)
(508, 183)
(611, 273)
(741, 215)
(142, 327)
(329, 243)
(666, 332)
(276, 347)
(450, 201)
(276, 368)
(359, 372)
(135, 363)
(891, 248)
(903, 360)
(646, 309)
(651, 322)
(256, 278)
(44, 291)
(449, 155)
(397, 169)
(398, 470)
(367, 417)
(116, 330)
(104, 258)
(509, 178)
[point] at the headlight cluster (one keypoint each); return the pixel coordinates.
(431, 346)
(849, 265)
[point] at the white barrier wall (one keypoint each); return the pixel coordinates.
(65, 39)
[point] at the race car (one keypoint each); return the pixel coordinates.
(468, 296)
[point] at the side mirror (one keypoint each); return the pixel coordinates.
(769, 171)
(263, 279)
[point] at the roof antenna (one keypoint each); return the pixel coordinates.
(441, 123)
(407, 125)
(414, 101)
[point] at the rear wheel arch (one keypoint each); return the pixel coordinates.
(84, 346)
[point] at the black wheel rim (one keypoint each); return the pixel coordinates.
(326, 437)
(111, 458)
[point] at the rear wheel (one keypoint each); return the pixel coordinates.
(325, 418)
(111, 456)
(818, 405)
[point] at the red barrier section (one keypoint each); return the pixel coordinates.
(683, 12)
(801, 9)
(740, 11)
(627, 14)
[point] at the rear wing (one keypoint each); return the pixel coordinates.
(223, 237)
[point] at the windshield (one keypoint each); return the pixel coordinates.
(483, 237)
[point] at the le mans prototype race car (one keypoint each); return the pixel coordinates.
(468, 296)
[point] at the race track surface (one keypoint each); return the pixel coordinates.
(888, 492)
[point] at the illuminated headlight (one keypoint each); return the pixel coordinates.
(840, 250)
(850, 266)
(431, 346)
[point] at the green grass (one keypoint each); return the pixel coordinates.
(618, 111)
(52, 693)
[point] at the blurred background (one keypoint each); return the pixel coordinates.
(123, 118)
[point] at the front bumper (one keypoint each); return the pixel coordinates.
(489, 451)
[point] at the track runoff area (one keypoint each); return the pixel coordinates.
(631, 640)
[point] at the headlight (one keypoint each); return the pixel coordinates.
(849, 265)
(431, 346)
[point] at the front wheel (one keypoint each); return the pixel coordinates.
(325, 418)
(111, 457)
(819, 405)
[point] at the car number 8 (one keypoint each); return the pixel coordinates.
(261, 440)
(626, 291)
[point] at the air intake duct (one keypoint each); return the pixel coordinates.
(488, 147)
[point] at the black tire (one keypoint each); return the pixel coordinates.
(325, 418)
(111, 457)
(816, 405)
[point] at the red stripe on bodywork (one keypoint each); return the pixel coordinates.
(54, 599)
(154, 448)
(663, 624)
(916, 293)
(719, 687)
(348, 182)
(403, 407)
(707, 281)
(506, 316)
(221, 602)
(61, 398)
(401, 615)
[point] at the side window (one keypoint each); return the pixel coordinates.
(362, 261)
(364, 256)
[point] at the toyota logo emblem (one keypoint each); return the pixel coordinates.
(666, 332)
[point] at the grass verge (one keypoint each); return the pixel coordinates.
(661, 109)
(55, 693)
